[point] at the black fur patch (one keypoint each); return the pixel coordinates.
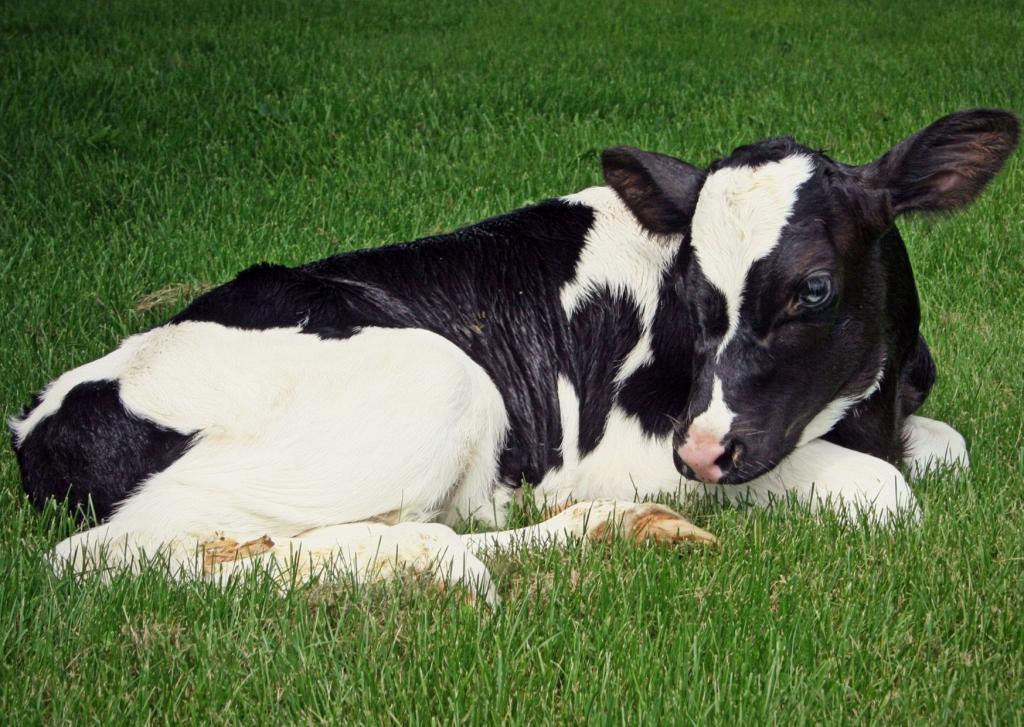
(92, 447)
(658, 392)
(603, 330)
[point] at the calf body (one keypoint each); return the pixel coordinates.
(749, 330)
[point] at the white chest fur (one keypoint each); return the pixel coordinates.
(626, 462)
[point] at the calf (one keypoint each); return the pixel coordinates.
(748, 330)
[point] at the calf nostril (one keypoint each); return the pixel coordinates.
(730, 458)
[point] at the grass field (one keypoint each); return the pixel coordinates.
(146, 145)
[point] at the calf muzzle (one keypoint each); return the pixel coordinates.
(709, 461)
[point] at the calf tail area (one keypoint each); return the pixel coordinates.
(93, 451)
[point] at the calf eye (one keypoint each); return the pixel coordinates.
(815, 291)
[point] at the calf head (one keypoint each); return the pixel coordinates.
(795, 281)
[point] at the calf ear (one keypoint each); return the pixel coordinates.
(945, 166)
(659, 190)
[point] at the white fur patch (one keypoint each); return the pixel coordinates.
(569, 410)
(627, 462)
(738, 219)
(620, 255)
(715, 421)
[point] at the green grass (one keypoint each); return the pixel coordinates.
(152, 144)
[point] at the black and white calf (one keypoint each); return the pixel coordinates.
(750, 329)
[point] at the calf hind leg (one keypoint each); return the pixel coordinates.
(371, 552)
(361, 553)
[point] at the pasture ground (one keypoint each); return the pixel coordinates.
(147, 145)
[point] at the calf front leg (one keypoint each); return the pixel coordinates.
(932, 444)
(825, 476)
(596, 520)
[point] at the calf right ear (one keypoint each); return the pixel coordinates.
(661, 191)
(946, 165)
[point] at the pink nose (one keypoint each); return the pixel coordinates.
(700, 454)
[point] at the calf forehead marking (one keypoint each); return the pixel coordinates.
(738, 220)
(717, 419)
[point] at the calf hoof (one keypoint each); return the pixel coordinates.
(641, 522)
(663, 525)
(228, 550)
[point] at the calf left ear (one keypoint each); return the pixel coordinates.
(946, 165)
(659, 190)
